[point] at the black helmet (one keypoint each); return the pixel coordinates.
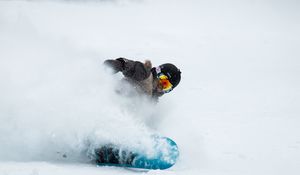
(172, 72)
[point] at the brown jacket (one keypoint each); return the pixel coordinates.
(140, 75)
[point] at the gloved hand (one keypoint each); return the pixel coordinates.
(116, 65)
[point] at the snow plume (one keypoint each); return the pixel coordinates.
(57, 102)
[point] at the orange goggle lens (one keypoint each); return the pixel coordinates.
(165, 83)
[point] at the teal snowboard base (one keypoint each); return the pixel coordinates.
(164, 156)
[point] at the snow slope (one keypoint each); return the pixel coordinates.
(236, 110)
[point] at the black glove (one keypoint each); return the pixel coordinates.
(117, 64)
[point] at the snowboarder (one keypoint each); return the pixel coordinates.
(152, 81)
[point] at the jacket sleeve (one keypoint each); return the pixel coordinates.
(131, 69)
(117, 65)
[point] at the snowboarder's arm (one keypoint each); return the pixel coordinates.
(130, 69)
(117, 65)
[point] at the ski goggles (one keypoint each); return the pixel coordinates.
(164, 81)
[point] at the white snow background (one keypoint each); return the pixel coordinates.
(236, 110)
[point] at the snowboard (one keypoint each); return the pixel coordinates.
(164, 155)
